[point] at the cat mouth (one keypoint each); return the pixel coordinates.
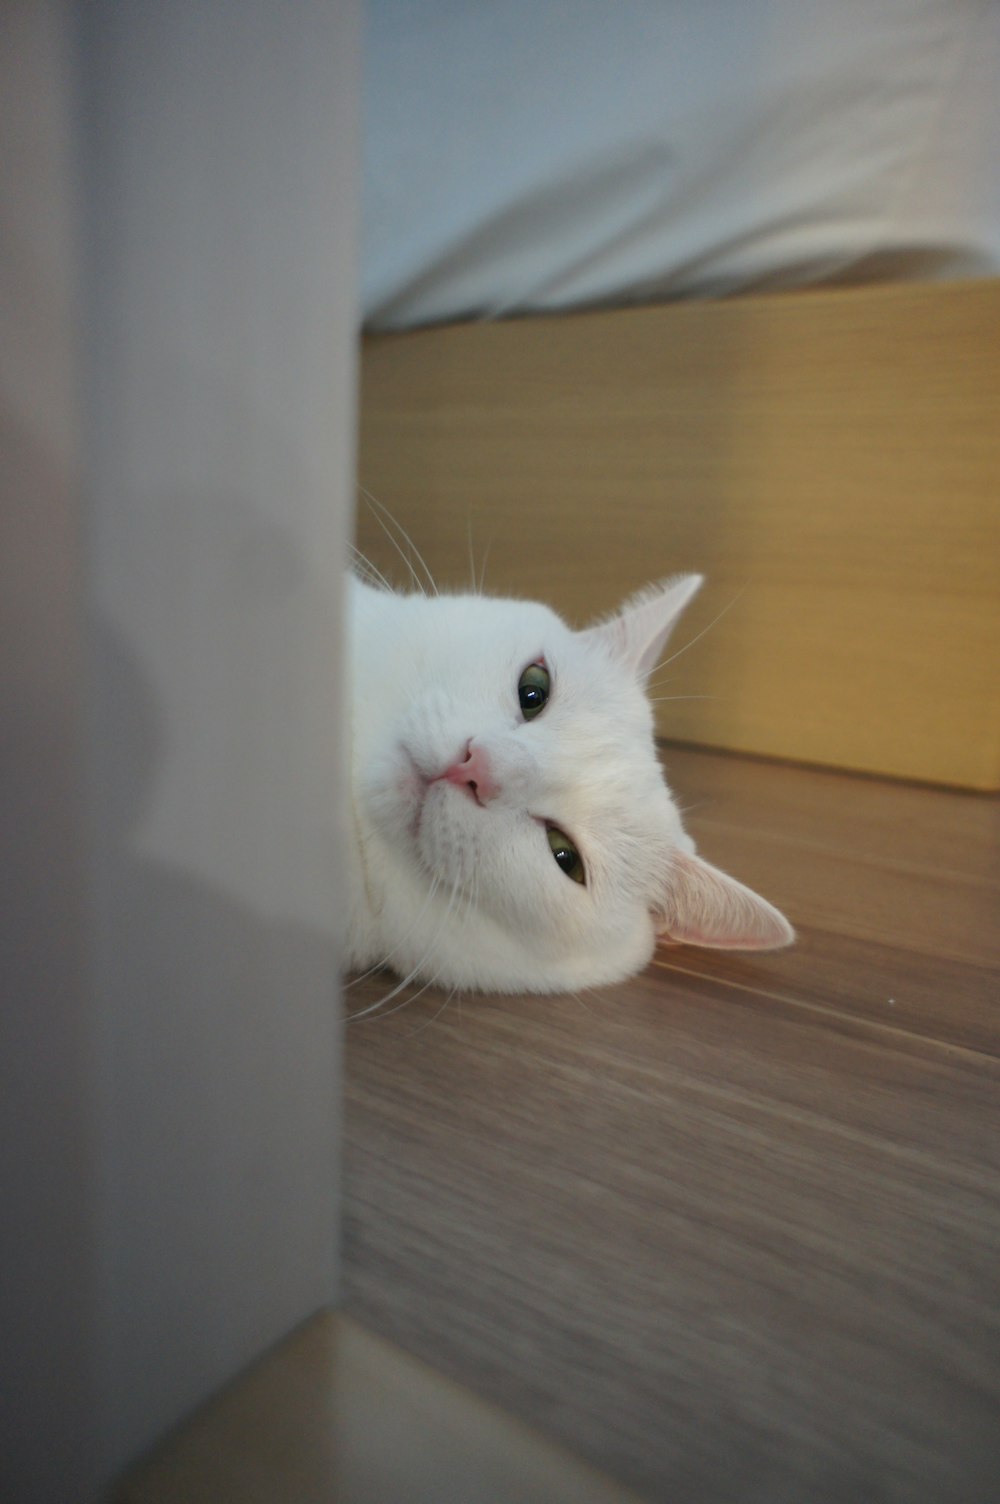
(415, 787)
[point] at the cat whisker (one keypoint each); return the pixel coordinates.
(478, 582)
(597, 994)
(415, 578)
(380, 512)
(686, 809)
(660, 683)
(379, 1003)
(472, 561)
(652, 684)
(486, 556)
(378, 1007)
(433, 1018)
(368, 570)
(667, 699)
(428, 900)
(382, 1012)
(714, 622)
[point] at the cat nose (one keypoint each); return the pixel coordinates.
(473, 774)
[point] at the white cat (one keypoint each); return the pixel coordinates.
(512, 830)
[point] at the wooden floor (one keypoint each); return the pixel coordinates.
(731, 1231)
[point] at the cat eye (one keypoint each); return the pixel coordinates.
(533, 690)
(566, 854)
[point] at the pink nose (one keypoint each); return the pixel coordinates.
(473, 774)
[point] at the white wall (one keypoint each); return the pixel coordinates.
(176, 400)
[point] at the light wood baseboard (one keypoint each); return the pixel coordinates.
(336, 1415)
(831, 461)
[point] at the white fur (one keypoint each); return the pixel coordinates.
(468, 894)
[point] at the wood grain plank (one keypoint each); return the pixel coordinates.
(830, 460)
(726, 1254)
(870, 900)
(919, 1003)
(895, 892)
(941, 832)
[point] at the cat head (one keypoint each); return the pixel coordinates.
(526, 838)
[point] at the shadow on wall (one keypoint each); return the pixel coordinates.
(220, 1026)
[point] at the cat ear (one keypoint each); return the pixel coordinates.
(704, 906)
(638, 634)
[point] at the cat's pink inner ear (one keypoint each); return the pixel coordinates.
(703, 906)
(638, 634)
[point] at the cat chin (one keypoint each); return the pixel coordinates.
(451, 945)
(504, 972)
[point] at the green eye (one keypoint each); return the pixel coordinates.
(566, 854)
(533, 690)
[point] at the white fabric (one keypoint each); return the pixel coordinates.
(523, 155)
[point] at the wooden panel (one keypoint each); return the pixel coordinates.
(731, 1229)
(830, 460)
